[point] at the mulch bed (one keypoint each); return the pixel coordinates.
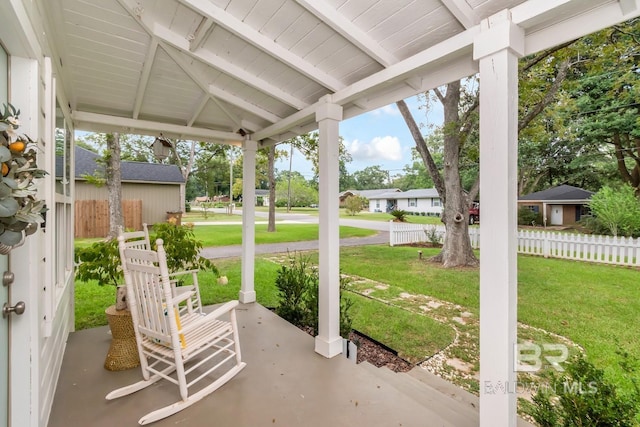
(377, 354)
(374, 352)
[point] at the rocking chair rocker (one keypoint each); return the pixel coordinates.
(175, 345)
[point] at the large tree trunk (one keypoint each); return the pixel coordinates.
(271, 227)
(456, 250)
(114, 185)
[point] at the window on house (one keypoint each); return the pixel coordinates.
(436, 202)
(413, 202)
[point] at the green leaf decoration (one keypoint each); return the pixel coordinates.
(5, 154)
(10, 238)
(5, 190)
(8, 207)
(10, 182)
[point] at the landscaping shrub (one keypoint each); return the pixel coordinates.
(582, 397)
(297, 283)
(399, 215)
(528, 217)
(354, 204)
(618, 210)
(433, 236)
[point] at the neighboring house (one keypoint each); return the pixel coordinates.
(262, 197)
(424, 201)
(156, 184)
(367, 194)
(562, 205)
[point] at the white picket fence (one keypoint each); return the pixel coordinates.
(581, 247)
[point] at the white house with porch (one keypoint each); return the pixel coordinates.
(255, 73)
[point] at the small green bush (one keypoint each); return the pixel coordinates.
(582, 397)
(399, 215)
(432, 235)
(354, 204)
(528, 217)
(297, 283)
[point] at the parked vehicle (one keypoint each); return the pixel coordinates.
(474, 213)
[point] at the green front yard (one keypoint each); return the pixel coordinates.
(595, 306)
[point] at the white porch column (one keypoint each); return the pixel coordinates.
(247, 290)
(498, 47)
(328, 341)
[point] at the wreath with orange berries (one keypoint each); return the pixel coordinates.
(20, 209)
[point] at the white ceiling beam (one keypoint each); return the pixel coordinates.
(264, 43)
(572, 27)
(90, 121)
(330, 16)
(207, 57)
(457, 46)
(241, 103)
(202, 32)
(144, 76)
(196, 78)
(167, 36)
(461, 10)
(216, 91)
(198, 110)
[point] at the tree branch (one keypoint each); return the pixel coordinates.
(422, 148)
(548, 98)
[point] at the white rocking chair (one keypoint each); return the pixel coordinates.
(172, 345)
(141, 240)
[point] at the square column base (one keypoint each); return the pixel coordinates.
(246, 297)
(328, 349)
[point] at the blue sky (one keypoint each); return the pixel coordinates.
(380, 137)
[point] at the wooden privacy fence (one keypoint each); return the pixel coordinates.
(581, 247)
(92, 217)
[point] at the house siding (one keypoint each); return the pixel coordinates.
(157, 199)
(52, 352)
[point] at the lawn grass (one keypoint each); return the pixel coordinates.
(231, 234)
(226, 235)
(596, 306)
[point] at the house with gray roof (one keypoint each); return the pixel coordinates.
(156, 185)
(561, 205)
(424, 201)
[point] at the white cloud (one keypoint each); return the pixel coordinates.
(387, 110)
(386, 148)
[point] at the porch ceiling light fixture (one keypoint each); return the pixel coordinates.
(162, 147)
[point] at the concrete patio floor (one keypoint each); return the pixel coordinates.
(285, 383)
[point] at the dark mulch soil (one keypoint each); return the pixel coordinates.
(378, 355)
(375, 353)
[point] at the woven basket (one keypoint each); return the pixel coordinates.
(123, 351)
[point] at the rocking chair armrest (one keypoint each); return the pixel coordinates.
(181, 297)
(182, 273)
(223, 309)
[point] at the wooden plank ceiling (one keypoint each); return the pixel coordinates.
(204, 69)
